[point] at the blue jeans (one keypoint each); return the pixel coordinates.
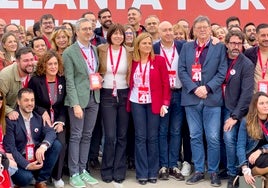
(24, 177)
(205, 119)
(170, 132)
(146, 141)
(230, 141)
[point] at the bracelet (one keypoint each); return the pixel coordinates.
(246, 171)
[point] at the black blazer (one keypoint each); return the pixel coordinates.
(252, 54)
(239, 88)
(42, 103)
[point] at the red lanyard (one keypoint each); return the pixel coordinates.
(263, 69)
(51, 99)
(26, 82)
(139, 31)
(112, 61)
(198, 52)
(263, 127)
(172, 56)
(90, 64)
(229, 70)
(143, 73)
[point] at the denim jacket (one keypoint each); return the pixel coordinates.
(246, 144)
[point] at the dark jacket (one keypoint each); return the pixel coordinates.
(42, 103)
(239, 88)
(15, 139)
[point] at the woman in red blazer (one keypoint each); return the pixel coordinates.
(149, 97)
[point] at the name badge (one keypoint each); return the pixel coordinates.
(263, 86)
(172, 78)
(30, 152)
(95, 81)
(143, 95)
(196, 72)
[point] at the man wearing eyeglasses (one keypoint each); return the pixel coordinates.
(237, 91)
(82, 99)
(202, 69)
(47, 23)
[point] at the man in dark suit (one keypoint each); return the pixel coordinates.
(171, 123)
(238, 89)
(202, 69)
(32, 144)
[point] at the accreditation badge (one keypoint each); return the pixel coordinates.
(30, 152)
(263, 86)
(143, 95)
(196, 72)
(172, 78)
(95, 81)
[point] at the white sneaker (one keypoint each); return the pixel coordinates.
(58, 183)
(186, 169)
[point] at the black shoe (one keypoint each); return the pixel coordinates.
(215, 180)
(131, 164)
(230, 182)
(196, 178)
(153, 180)
(163, 173)
(119, 180)
(107, 180)
(142, 182)
(223, 175)
(95, 164)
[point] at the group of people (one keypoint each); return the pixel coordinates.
(160, 97)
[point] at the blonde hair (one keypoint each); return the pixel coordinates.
(55, 33)
(177, 26)
(136, 53)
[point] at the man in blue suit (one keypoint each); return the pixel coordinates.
(32, 144)
(202, 69)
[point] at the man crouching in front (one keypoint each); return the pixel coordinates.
(31, 143)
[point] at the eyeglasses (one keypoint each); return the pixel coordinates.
(1, 98)
(85, 29)
(47, 23)
(128, 33)
(202, 27)
(233, 44)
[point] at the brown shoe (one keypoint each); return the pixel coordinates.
(40, 185)
(175, 173)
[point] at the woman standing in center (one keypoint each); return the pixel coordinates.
(149, 97)
(115, 60)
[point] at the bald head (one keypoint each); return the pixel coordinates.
(165, 31)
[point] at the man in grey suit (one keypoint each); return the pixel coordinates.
(80, 66)
(202, 69)
(238, 89)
